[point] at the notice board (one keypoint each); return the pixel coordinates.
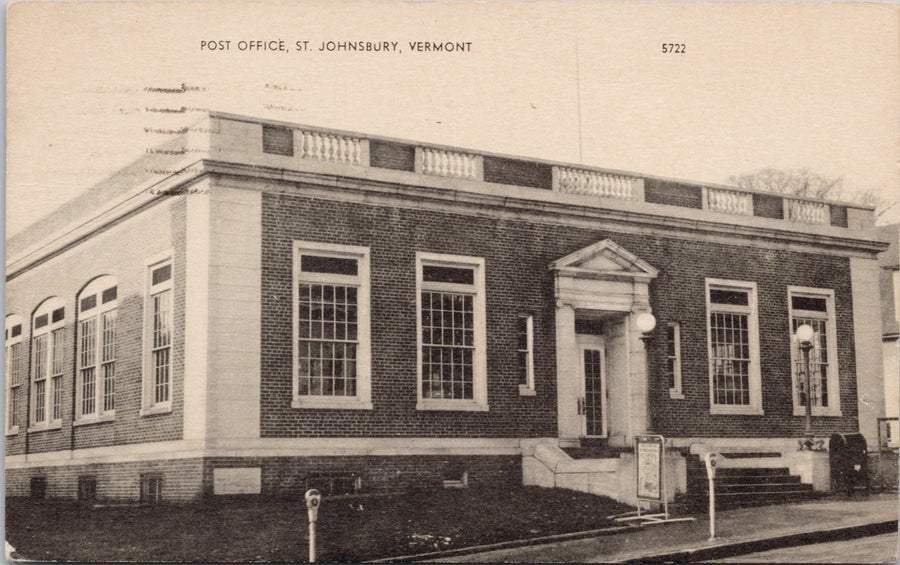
(649, 453)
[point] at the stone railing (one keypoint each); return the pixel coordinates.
(806, 211)
(596, 183)
(346, 149)
(728, 201)
(451, 164)
(333, 148)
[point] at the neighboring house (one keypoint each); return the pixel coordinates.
(890, 322)
(257, 307)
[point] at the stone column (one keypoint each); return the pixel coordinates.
(864, 275)
(637, 379)
(568, 388)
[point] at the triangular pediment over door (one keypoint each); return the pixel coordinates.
(605, 260)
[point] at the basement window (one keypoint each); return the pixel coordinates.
(87, 488)
(335, 484)
(455, 476)
(38, 488)
(151, 488)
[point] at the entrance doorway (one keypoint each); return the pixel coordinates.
(592, 377)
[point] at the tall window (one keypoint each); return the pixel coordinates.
(331, 326)
(47, 366)
(96, 356)
(733, 347)
(451, 329)
(525, 353)
(815, 308)
(673, 359)
(157, 337)
(15, 372)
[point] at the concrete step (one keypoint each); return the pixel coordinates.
(767, 488)
(738, 487)
(747, 479)
(743, 471)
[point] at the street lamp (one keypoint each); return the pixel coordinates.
(805, 335)
(645, 323)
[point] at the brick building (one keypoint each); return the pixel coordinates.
(257, 307)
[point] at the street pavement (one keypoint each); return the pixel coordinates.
(872, 549)
(738, 532)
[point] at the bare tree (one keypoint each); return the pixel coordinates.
(803, 182)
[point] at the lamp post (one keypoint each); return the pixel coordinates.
(805, 335)
(645, 323)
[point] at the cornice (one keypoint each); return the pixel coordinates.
(495, 197)
(473, 197)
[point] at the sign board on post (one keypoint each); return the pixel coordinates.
(650, 458)
(649, 454)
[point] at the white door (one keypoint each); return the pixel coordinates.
(592, 377)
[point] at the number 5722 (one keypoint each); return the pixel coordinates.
(674, 48)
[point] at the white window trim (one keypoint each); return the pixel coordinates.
(363, 398)
(527, 389)
(148, 407)
(833, 376)
(755, 406)
(97, 286)
(675, 392)
(478, 402)
(49, 423)
(11, 321)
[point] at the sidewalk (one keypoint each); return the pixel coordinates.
(737, 532)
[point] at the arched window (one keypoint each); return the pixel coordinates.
(95, 389)
(15, 371)
(47, 363)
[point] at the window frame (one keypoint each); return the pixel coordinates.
(97, 312)
(675, 391)
(52, 393)
(149, 406)
(833, 368)
(363, 398)
(13, 385)
(479, 400)
(754, 374)
(526, 388)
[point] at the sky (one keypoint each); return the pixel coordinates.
(782, 84)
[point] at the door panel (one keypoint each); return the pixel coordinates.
(592, 379)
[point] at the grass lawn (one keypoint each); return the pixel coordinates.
(349, 530)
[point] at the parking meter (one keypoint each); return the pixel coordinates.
(711, 460)
(313, 498)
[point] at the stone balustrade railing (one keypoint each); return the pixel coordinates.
(344, 149)
(332, 148)
(806, 211)
(729, 201)
(451, 164)
(596, 183)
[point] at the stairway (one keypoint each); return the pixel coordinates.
(742, 487)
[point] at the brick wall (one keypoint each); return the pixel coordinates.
(291, 476)
(673, 193)
(516, 257)
(392, 155)
(677, 295)
(520, 173)
(181, 479)
(186, 480)
(120, 251)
